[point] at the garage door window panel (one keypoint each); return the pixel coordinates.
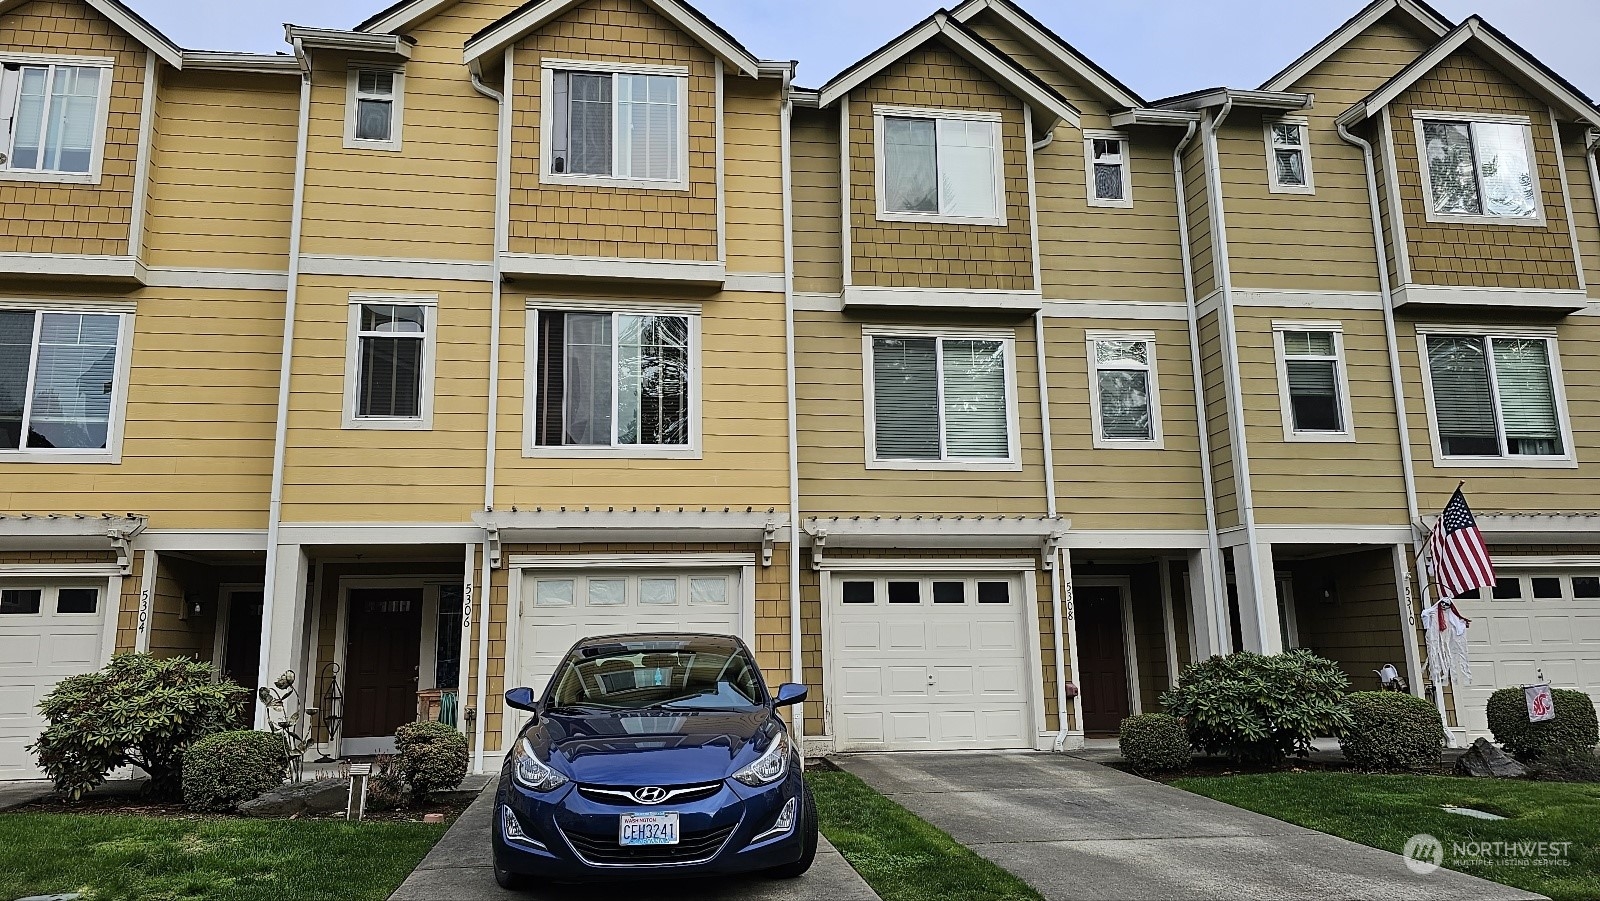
(1497, 399)
(860, 592)
(941, 402)
(77, 601)
(20, 601)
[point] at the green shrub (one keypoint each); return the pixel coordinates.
(431, 756)
(1574, 728)
(386, 789)
(1154, 743)
(1567, 765)
(222, 770)
(137, 710)
(1392, 730)
(1258, 710)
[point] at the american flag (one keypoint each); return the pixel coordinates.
(1457, 553)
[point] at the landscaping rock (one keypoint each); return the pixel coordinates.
(1483, 759)
(322, 796)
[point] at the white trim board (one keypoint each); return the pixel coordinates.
(90, 267)
(943, 298)
(1116, 310)
(1570, 301)
(389, 267)
(532, 265)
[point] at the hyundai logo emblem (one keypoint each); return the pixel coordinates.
(651, 795)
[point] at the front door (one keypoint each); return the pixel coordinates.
(384, 629)
(241, 657)
(1102, 659)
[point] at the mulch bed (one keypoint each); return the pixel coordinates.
(134, 804)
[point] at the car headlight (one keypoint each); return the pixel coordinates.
(769, 767)
(533, 773)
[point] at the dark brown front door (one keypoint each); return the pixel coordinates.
(384, 629)
(241, 660)
(1102, 659)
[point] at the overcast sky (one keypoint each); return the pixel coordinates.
(1158, 47)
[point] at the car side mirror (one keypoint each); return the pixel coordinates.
(522, 699)
(789, 694)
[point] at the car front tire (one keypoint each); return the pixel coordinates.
(508, 880)
(808, 832)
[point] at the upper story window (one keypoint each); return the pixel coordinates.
(1479, 168)
(61, 382)
(614, 383)
(1289, 156)
(1110, 174)
(373, 107)
(1496, 398)
(1123, 390)
(939, 166)
(941, 401)
(625, 126)
(389, 363)
(53, 117)
(1311, 381)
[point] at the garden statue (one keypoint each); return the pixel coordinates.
(279, 719)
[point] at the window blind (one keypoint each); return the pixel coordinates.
(16, 353)
(392, 344)
(1463, 404)
(647, 119)
(975, 399)
(587, 410)
(966, 168)
(73, 377)
(28, 132)
(906, 398)
(590, 126)
(1314, 395)
(1527, 397)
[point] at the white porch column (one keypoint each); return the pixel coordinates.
(1258, 600)
(1208, 618)
(1408, 619)
(284, 626)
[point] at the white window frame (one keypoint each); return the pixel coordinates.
(1569, 460)
(112, 452)
(1273, 184)
(397, 106)
(1158, 439)
(1421, 116)
(1342, 381)
(429, 304)
(1091, 135)
(102, 117)
(548, 69)
(1008, 341)
(530, 410)
(882, 113)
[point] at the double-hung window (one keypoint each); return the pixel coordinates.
(1289, 156)
(941, 401)
(1312, 385)
(1496, 398)
(389, 370)
(939, 166)
(614, 383)
(53, 118)
(373, 108)
(1109, 174)
(1123, 391)
(626, 126)
(1479, 168)
(61, 381)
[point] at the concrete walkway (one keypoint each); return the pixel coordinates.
(16, 794)
(459, 869)
(1074, 829)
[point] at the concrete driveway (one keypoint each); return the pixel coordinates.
(459, 869)
(1074, 829)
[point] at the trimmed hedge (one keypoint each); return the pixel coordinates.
(1392, 730)
(431, 756)
(1154, 743)
(1258, 709)
(224, 770)
(1574, 729)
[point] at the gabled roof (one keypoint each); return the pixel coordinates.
(1502, 52)
(1053, 47)
(510, 29)
(1421, 14)
(1026, 85)
(402, 15)
(131, 22)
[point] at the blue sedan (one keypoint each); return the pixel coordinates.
(653, 756)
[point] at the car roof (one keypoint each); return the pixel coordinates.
(658, 641)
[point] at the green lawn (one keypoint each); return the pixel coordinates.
(1385, 811)
(900, 856)
(112, 857)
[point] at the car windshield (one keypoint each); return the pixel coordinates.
(666, 675)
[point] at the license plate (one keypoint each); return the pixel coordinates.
(648, 829)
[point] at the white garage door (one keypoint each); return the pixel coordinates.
(1535, 621)
(563, 607)
(930, 662)
(47, 632)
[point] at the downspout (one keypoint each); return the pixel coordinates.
(1213, 541)
(1594, 170)
(1396, 380)
(280, 438)
(796, 636)
(484, 606)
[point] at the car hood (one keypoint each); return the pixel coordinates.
(652, 747)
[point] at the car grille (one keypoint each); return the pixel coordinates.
(693, 847)
(622, 795)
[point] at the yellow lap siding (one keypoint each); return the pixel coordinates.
(753, 175)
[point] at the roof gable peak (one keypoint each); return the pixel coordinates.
(1053, 46)
(130, 22)
(1425, 17)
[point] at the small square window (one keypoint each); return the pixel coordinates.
(994, 592)
(658, 592)
(1475, 594)
(1586, 587)
(949, 592)
(77, 600)
(608, 592)
(708, 591)
(20, 601)
(553, 593)
(860, 592)
(905, 592)
(1508, 590)
(1547, 588)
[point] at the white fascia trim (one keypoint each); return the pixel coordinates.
(1115, 310)
(225, 279)
(405, 16)
(1144, 539)
(934, 532)
(531, 265)
(389, 267)
(613, 526)
(86, 266)
(348, 41)
(378, 533)
(153, 40)
(1297, 299)
(943, 298)
(513, 30)
(1335, 42)
(203, 540)
(915, 565)
(1154, 117)
(1535, 528)
(1052, 47)
(1569, 301)
(629, 561)
(1268, 100)
(246, 63)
